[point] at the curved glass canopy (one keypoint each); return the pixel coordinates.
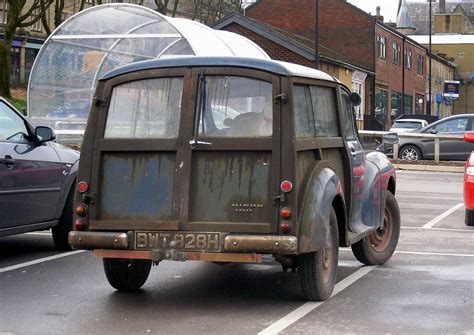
(102, 38)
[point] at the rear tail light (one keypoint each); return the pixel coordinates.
(286, 227)
(286, 213)
(81, 210)
(82, 187)
(80, 224)
(286, 186)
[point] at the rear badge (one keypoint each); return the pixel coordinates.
(246, 207)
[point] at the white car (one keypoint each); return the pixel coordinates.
(406, 125)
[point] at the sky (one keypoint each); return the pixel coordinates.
(388, 8)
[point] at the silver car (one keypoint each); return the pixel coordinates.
(423, 148)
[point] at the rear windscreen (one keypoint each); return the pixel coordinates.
(145, 109)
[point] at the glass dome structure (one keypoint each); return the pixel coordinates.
(102, 38)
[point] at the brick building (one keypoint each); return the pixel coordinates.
(363, 41)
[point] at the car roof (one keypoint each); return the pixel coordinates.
(452, 117)
(411, 120)
(276, 67)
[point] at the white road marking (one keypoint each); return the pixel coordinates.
(444, 229)
(38, 261)
(39, 233)
(308, 307)
(442, 216)
(432, 253)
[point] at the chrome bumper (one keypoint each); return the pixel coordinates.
(263, 244)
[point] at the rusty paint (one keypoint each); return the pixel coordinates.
(261, 244)
(94, 240)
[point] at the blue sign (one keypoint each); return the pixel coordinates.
(451, 89)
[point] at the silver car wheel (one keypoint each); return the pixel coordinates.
(410, 154)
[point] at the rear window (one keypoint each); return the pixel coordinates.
(407, 124)
(230, 106)
(145, 109)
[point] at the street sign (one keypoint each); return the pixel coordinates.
(451, 89)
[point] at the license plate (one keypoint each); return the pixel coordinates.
(178, 240)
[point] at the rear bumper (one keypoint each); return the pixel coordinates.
(262, 244)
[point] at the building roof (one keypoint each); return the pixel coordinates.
(272, 66)
(419, 12)
(444, 39)
(403, 17)
(300, 45)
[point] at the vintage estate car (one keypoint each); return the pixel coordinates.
(36, 178)
(282, 174)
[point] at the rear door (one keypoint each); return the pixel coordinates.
(184, 149)
(233, 148)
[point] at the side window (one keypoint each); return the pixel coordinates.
(348, 117)
(315, 111)
(12, 126)
(452, 126)
(145, 109)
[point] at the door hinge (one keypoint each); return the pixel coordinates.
(100, 101)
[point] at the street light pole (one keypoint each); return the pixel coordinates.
(429, 66)
(316, 39)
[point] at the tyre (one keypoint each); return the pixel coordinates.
(318, 269)
(126, 274)
(377, 247)
(62, 229)
(469, 221)
(410, 153)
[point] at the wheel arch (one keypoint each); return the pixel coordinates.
(422, 153)
(322, 193)
(340, 209)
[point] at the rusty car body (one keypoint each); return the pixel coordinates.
(164, 175)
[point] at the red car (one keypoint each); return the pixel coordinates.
(469, 183)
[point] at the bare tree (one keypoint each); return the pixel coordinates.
(19, 15)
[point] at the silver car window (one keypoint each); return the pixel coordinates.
(12, 127)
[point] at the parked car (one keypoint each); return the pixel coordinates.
(287, 176)
(423, 148)
(77, 109)
(469, 183)
(406, 125)
(36, 178)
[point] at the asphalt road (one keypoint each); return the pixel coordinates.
(426, 288)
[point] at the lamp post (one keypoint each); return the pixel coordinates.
(429, 66)
(316, 38)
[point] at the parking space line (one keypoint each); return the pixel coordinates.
(306, 308)
(443, 229)
(41, 260)
(432, 253)
(442, 216)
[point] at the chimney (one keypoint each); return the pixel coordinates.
(442, 6)
(377, 14)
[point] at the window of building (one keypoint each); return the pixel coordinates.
(408, 105)
(358, 87)
(381, 106)
(37, 26)
(90, 2)
(396, 53)
(420, 64)
(3, 11)
(382, 45)
(395, 105)
(408, 59)
(419, 104)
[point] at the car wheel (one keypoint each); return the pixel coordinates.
(469, 221)
(377, 247)
(62, 229)
(318, 269)
(410, 153)
(126, 274)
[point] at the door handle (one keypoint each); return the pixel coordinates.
(8, 160)
(194, 143)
